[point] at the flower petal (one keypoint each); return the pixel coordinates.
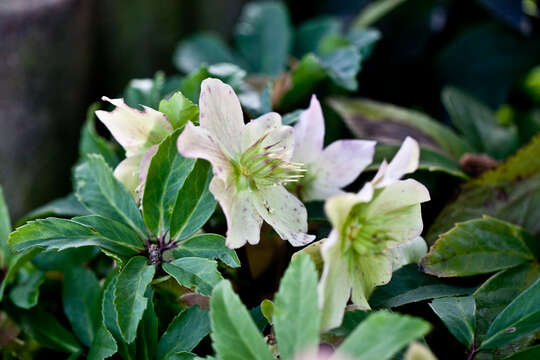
(258, 127)
(408, 252)
(136, 130)
(127, 172)
(339, 165)
(309, 133)
(145, 164)
(335, 285)
(284, 212)
(196, 142)
(221, 114)
(369, 271)
(243, 221)
(404, 162)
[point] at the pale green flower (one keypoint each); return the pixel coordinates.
(251, 164)
(331, 169)
(374, 232)
(138, 132)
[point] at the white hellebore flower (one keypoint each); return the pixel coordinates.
(251, 163)
(138, 132)
(328, 170)
(374, 232)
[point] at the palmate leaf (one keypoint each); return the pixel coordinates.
(209, 246)
(234, 334)
(458, 314)
(102, 194)
(296, 315)
(184, 332)
(198, 274)
(166, 174)
(519, 318)
(478, 246)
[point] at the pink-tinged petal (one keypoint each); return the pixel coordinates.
(284, 212)
(221, 114)
(258, 127)
(309, 133)
(369, 272)
(243, 221)
(339, 165)
(127, 172)
(404, 162)
(145, 164)
(196, 142)
(136, 130)
(335, 285)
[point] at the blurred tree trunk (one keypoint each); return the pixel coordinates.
(44, 58)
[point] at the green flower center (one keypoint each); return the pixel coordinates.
(363, 236)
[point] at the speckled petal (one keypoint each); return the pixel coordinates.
(258, 127)
(221, 114)
(196, 142)
(285, 213)
(309, 133)
(136, 130)
(243, 221)
(339, 165)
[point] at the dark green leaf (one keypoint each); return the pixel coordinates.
(478, 246)
(111, 230)
(343, 65)
(351, 319)
(25, 294)
(81, 295)
(186, 330)
(527, 354)
(202, 48)
(194, 202)
(364, 40)
(191, 85)
(409, 285)
(5, 229)
(129, 299)
(263, 37)
(209, 246)
(179, 110)
(519, 318)
(146, 92)
(198, 274)
(508, 192)
(92, 143)
(389, 123)
(234, 333)
(147, 332)
(65, 259)
(99, 191)
(15, 263)
(458, 314)
(479, 124)
(309, 73)
(166, 174)
(60, 234)
(382, 335)
(67, 207)
(103, 346)
(296, 316)
(310, 33)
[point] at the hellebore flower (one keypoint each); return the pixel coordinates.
(251, 163)
(374, 232)
(328, 170)
(138, 132)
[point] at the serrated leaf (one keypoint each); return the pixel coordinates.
(198, 274)
(507, 192)
(296, 316)
(67, 207)
(179, 110)
(25, 294)
(129, 299)
(81, 295)
(92, 143)
(263, 36)
(202, 48)
(166, 174)
(519, 318)
(458, 314)
(478, 246)
(112, 230)
(234, 334)
(110, 318)
(101, 193)
(103, 346)
(209, 246)
(184, 332)
(388, 123)
(60, 234)
(382, 335)
(194, 202)
(409, 285)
